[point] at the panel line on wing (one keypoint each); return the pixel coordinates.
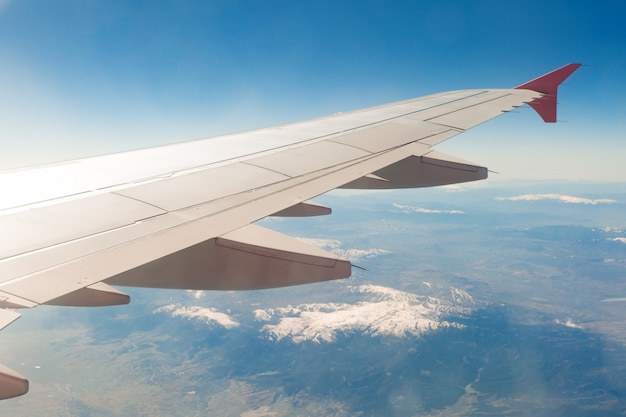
(34, 229)
(474, 114)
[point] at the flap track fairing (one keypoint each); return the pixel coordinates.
(304, 209)
(432, 169)
(248, 258)
(96, 295)
(12, 384)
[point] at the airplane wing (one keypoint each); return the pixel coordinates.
(181, 216)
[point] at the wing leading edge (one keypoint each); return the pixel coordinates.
(180, 216)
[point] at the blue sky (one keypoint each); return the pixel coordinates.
(82, 77)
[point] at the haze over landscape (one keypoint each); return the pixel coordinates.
(474, 302)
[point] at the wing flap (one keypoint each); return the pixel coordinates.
(10, 301)
(248, 258)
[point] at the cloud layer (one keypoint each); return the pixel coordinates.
(569, 323)
(558, 197)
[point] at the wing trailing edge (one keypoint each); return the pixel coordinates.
(548, 85)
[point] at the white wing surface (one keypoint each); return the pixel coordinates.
(180, 216)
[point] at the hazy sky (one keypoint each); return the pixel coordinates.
(82, 77)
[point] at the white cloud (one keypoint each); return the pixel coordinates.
(613, 300)
(355, 255)
(413, 209)
(558, 197)
(327, 244)
(352, 255)
(569, 323)
(197, 294)
(383, 312)
(619, 239)
(206, 315)
(454, 188)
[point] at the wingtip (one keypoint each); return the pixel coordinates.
(548, 84)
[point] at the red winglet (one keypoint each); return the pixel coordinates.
(548, 84)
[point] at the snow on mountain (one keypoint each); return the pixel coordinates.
(379, 311)
(204, 314)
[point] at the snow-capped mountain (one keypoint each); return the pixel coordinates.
(378, 311)
(368, 309)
